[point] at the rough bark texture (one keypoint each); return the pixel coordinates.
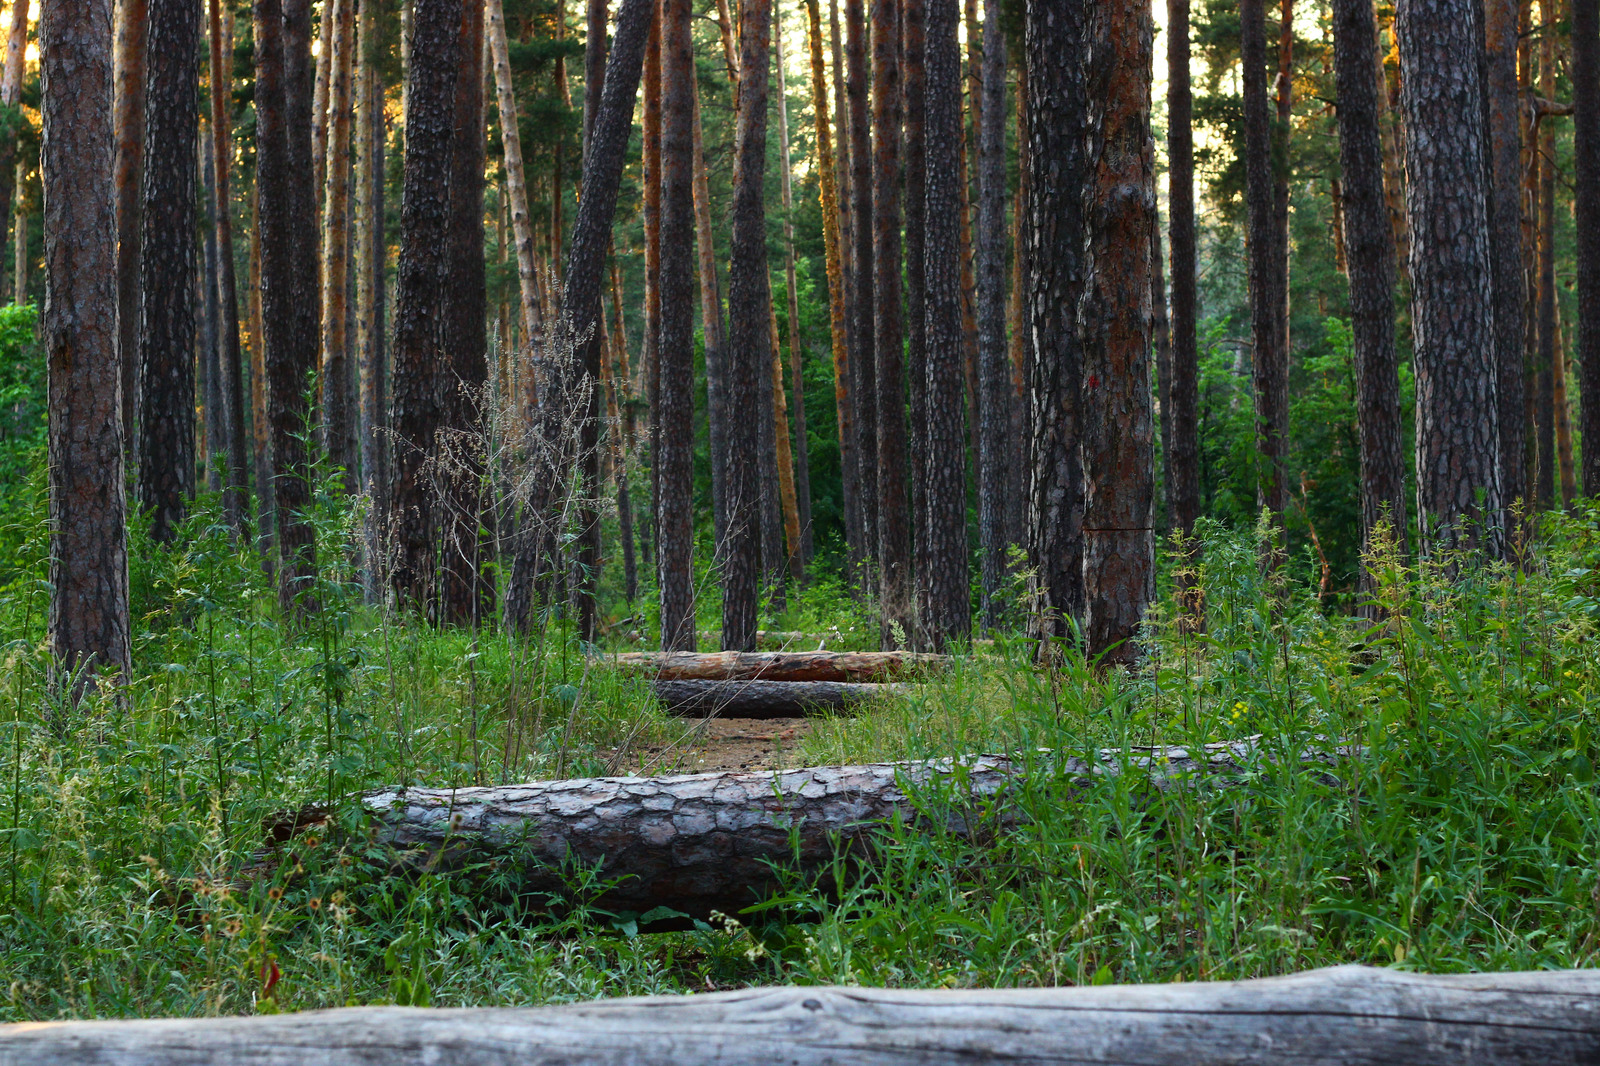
(700, 842)
(843, 367)
(650, 223)
(371, 262)
(424, 259)
(128, 130)
(1505, 221)
(11, 168)
(1055, 116)
(516, 177)
(1542, 490)
(1269, 359)
(467, 595)
(1586, 208)
(672, 424)
(1340, 1016)
(945, 472)
(338, 406)
(800, 550)
(995, 454)
(863, 358)
(713, 332)
(767, 699)
(1452, 309)
(1114, 329)
(167, 267)
(914, 167)
(1161, 349)
(89, 626)
(1182, 448)
(260, 424)
(851, 666)
(1370, 254)
(231, 385)
(748, 309)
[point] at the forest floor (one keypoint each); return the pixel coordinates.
(1461, 835)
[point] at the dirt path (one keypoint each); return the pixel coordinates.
(722, 744)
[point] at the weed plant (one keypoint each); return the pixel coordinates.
(1462, 835)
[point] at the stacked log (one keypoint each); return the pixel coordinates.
(768, 699)
(1340, 1016)
(774, 684)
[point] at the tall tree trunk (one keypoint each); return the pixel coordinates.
(322, 56)
(618, 428)
(260, 424)
(945, 567)
(832, 240)
(863, 358)
(128, 129)
(167, 268)
(468, 592)
(419, 313)
(516, 179)
(1283, 94)
(1563, 415)
(1452, 310)
(801, 550)
(10, 96)
(1370, 254)
(371, 258)
(1505, 137)
(1055, 117)
(748, 301)
(843, 367)
(1161, 351)
(650, 218)
(714, 334)
(1586, 208)
(1391, 131)
(1529, 217)
(89, 626)
(995, 455)
(673, 429)
(1268, 357)
(338, 406)
(232, 383)
(1544, 368)
(207, 370)
(1114, 329)
(558, 171)
(888, 327)
(596, 15)
(785, 459)
(914, 48)
(1020, 349)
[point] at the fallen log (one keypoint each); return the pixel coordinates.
(768, 699)
(700, 842)
(1340, 1016)
(849, 666)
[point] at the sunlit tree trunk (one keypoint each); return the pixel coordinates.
(1183, 446)
(128, 130)
(232, 377)
(1543, 489)
(995, 454)
(338, 406)
(1586, 208)
(370, 263)
(800, 551)
(863, 358)
(843, 367)
(1505, 136)
(713, 332)
(89, 625)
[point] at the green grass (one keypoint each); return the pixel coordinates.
(1463, 837)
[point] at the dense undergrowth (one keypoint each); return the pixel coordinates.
(1464, 836)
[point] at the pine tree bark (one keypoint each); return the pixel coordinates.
(1183, 447)
(424, 260)
(1543, 489)
(128, 130)
(713, 333)
(89, 625)
(843, 367)
(785, 462)
(322, 59)
(371, 259)
(1282, 130)
(995, 453)
(1391, 130)
(1452, 310)
(167, 268)
(1505, 210)
(671, 447)
(832, 240)
(208, 367)
(1114, 330)
(863, 359)
(1586, 209)
(260, 424)
(338, 406)
(516, 179)
(888, 327)
(1563, 415)
(945, 567)
(801, 549)
(468, 588)
(650, 220)
(232, 379)
(10, 96)
(914, 167)
(1055, 235)
(1370, 255)
(1268, 357)
(1161, 351)
(750, 342)
(1021, 349)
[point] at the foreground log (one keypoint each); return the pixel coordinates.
(768, 699)
(1341, 1016)
(856, 666)
(701, 842)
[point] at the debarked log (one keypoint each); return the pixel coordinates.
(768, 699)
(849, 666)
(1340, 1016)
(695, 843)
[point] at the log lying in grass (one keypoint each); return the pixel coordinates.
(1342, 1016)
(849, 666)
(768, 699)
(698, 842)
